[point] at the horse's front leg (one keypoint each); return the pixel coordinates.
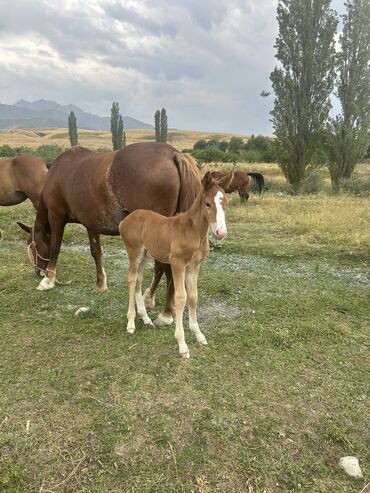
(95, 249)
(191, 283)
(57, 229)
(178, 270)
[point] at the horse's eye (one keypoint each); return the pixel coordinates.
(208, 205)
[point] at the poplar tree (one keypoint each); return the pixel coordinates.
(72, 129)
(164, 124)
(348, 136)
(302, 82)
(157, 124)
(116, 127)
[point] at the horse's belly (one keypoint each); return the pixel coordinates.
(11, 198)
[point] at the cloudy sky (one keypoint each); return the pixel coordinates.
(205, 61)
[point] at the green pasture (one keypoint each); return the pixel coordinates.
(278, 397)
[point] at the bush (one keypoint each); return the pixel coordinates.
(103, 149)
(250, 157)
(356, 185)
(258, 144)
(210, 154)
(236, 144)
(24, 150)
(200, 144)
(312, 183)
(7, 151)
(49, 152)
(213, 143)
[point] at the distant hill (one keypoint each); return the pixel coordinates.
(49, 114)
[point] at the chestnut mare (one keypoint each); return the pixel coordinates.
(98, 190)
(182, 242)
(242, 182)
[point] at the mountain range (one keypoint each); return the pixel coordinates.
(49, 114)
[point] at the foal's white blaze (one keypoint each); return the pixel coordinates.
(219, 229)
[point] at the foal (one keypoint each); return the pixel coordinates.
(182, 242)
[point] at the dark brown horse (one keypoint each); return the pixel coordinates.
(242, 182)
(21, 178)
(98, 190)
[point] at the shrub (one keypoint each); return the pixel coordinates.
(103, 149)
(213, 143)
(250, 157)
(259, 144)
(200, 144)
(312, 183)
(210, 154)
(236, 144)
(356, 185)
(7, 151)
(49, 152)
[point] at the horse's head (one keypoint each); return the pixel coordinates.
(38, 248)
(214, 202)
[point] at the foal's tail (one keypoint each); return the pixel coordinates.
(258, 178)
(190, 183)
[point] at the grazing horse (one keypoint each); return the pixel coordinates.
(98, 190)
(241, 182)
(182, 242)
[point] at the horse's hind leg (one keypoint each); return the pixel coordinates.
(95, 249)
(138, 294)
(165, 317)
(149, 295)
(57, 229)
(191, 281)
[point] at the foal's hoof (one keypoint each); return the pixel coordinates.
(203, 341)
(149, 300)
(184, 351)
(147, 321)
(163, 319)
(45, 284)
(130, 328)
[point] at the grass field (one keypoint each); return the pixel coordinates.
(94, 139)
(278, 397)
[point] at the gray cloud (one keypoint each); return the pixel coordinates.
(206, 62)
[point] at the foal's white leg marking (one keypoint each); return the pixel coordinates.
(138, 294)
(47, 283)
(220, 224)
(180, 301)
(191, 279)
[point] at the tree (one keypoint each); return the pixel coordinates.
(303, 82)
(116, 127)
(72, 129)
(164, 124)
(236, 144)
(348, 138)
(157, 120)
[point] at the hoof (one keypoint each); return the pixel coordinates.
(101, 289)
(184, 350)
(130, 328)
(163, 319)
(203, 341)
(45, 284)
(147, 321)
(149, 300)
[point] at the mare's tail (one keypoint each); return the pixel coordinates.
(190, 183)
(258, 178)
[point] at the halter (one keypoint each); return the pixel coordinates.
(30, 256)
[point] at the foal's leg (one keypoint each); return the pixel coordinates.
(95, 249)
(178, 270)
(165, 317)
(57, 229)
(149, 295)
(138, 294)
(191, 281)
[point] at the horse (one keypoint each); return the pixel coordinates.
(241, 182)
(180, 241)
(21, 178)
(98, 190)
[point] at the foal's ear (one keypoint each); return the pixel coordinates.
(207, 180)
(25, 228)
